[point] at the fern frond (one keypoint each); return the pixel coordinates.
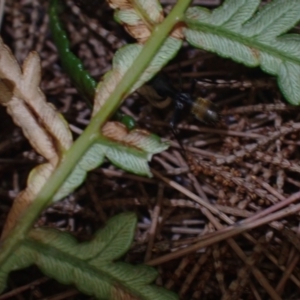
(234, 31)
(129, 151)
(89, 265)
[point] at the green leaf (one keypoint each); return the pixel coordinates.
(90, 265)
(124, 59)
(73, 66)
(234, 31)
(131, 153)
(19, 250)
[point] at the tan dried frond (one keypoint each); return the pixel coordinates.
(37, 178)
(114, 131)
(105, 88)
(118, 132)
(140, 25)
(20, 93)
(43, 126)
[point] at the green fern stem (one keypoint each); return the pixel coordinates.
(73, 66)
(92, 132)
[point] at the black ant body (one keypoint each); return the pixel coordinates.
(203, 109)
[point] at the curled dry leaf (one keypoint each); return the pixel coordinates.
(106, 87)
(43, 126)
(139, 18)
(114, 130)
(118, 132)
(139, 139)
(136, 138)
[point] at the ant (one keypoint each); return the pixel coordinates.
(203, 109)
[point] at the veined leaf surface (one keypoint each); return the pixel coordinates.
(91, 265)
(129, 151)
(235, 31)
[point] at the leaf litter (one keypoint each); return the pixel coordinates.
(244, 171)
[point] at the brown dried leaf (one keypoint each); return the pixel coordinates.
(138, 18)
(44, 127)
(136, 138)
(37, 178)
(115, 131)
(106, 87)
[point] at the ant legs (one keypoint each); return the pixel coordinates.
(176, 114)
(179, 107)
